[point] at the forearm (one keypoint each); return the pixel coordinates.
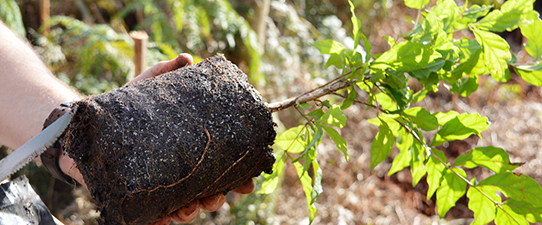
(28, 90)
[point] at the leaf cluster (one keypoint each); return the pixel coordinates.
(431, 55)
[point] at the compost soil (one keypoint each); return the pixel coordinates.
(148, 149)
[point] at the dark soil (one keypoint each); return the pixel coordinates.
(148, 149)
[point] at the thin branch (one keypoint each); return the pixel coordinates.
(308, 96)
(327, 88)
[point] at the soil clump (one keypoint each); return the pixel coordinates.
(148, 149)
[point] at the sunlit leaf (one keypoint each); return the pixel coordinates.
(506, 216)
(417, 166)
(496, 54)
(350, 99)
(272, 180)
(530, 73)
(532, 30)
(402, 160)
(508, 17)
(291, 140)
(381, 145)
(493, 158)
(423, 118)
(443, 118)
(516, 186)
(329, 46)
(484, 209)
(465, 86)
(471, 15)
(306, 182)
(338, 139)
(416, 4)
(460, 128)
(451, 190)
(334, 116)
(471, 59)
(407, 56)
(523, 210)
(435, 171)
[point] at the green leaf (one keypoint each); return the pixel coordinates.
(402, 160)
(350, 99)
(532, 30)
(507, 216)
(292, 140)
(516, 186)
(316, 114)
(483, 208)
(334, 116)
(451, 190)
(336, 60)
(338, 139)
(310, 153)
(317, 188)
(406, 56)
(386, 101)
(420, 95)
(306, 182)
(329, 46)
(423, 118)
(471, 59)
(416, 4)
(435, 171)
(508, 17)
(523, 210)
(471, 15)
(460, 128)
(446, 11)
(531, 74)
(390, 41)
(304, 105)
(496, 54)
(381, 145)
(465, 86)
(492, 158)
(443, 118)
(417, 167)
(399, 96)
(272, 180)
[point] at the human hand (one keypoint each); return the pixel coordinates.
(212, 203)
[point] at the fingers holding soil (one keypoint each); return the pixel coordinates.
(182, 60)
(212, 203)
(246, 187)
(187, 213)
(165, 221)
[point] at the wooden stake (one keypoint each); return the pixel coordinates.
(44, 14)
(140, 49)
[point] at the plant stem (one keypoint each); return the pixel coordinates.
(327, 88)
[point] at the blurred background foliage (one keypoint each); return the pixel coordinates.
(89, 47)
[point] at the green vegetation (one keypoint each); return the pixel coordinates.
(433, 54)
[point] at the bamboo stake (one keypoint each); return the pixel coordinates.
(44, 14)
(140, 49)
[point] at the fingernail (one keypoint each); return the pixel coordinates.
(215, 199)
(190, 209)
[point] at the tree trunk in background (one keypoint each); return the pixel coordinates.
(257, 19)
